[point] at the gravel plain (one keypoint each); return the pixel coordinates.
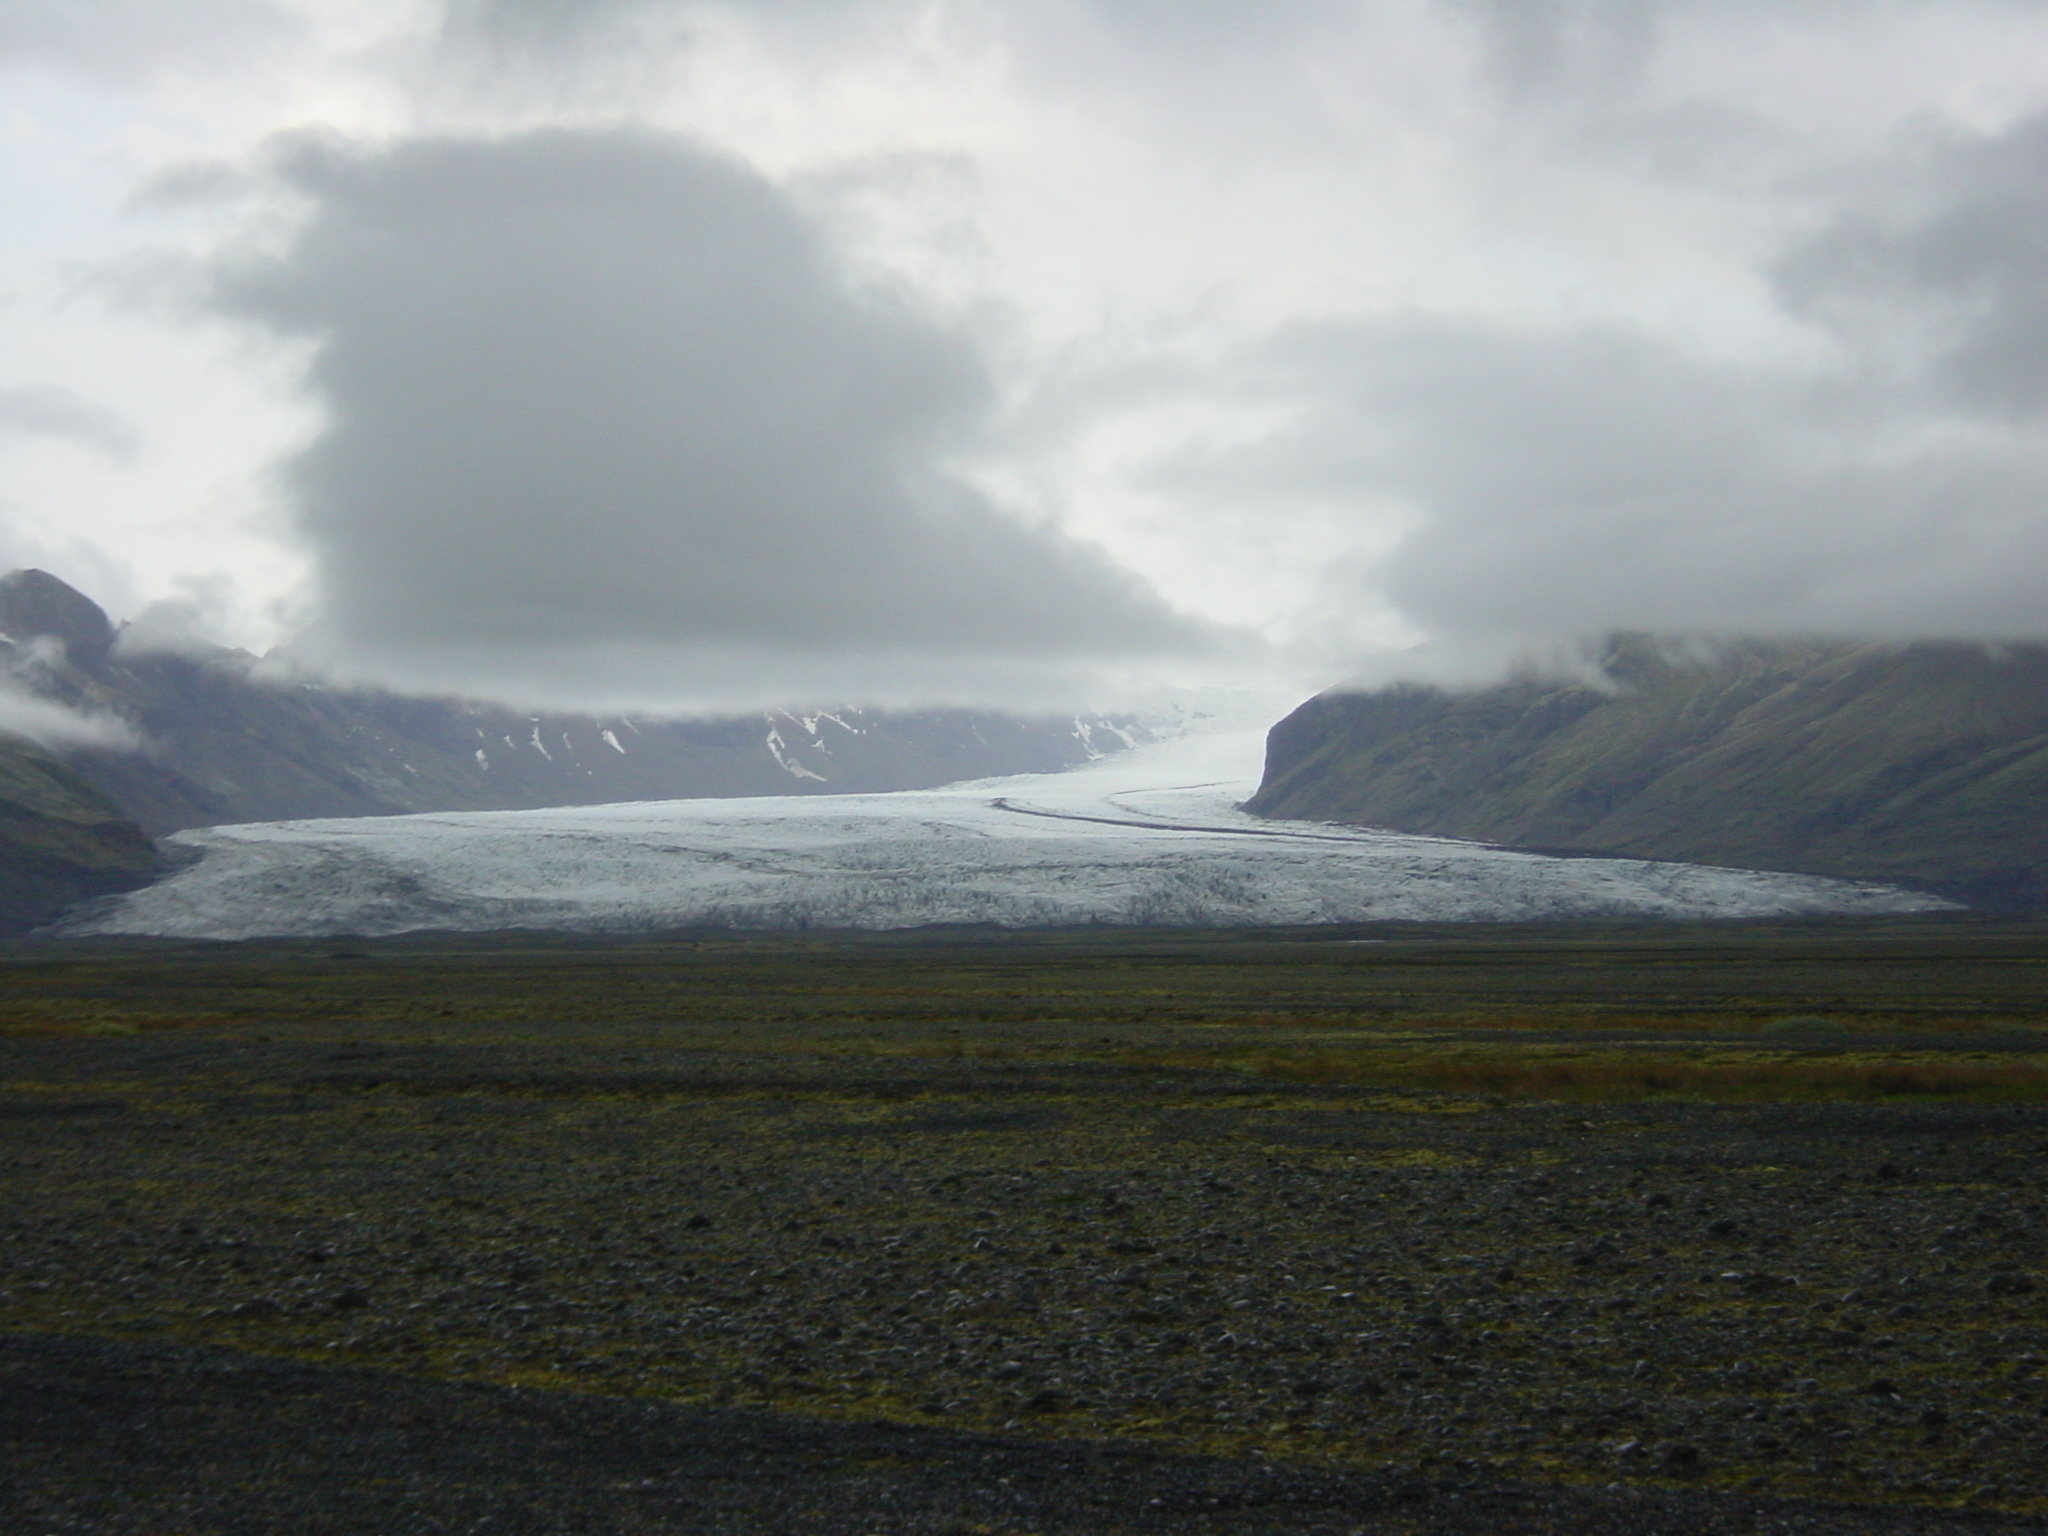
(121, 1438)
(1757, 1314)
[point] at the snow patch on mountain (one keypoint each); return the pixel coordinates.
(790, 765)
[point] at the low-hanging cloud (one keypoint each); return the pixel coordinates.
(605, 394)
(1572, 480)
(58, 726)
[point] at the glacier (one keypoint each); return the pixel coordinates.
(1148, 836)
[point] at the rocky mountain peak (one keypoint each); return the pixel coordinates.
(36, 603)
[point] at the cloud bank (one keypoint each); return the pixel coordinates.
(1882, 474)
(602, 402)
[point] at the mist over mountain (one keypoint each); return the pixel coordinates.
(104, 745)
(1923, 763)
(1920, 762)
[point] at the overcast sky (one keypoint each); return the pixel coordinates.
(641, 352)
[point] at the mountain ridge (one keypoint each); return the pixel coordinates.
(223, 741)
(156, 740)
(1923, 763)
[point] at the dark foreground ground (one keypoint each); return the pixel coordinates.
(1438, 1231)
(107, 1437)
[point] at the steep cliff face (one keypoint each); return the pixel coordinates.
(1924, 762)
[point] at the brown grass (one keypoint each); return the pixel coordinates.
(57, 1024)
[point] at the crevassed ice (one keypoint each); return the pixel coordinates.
(1147, 836)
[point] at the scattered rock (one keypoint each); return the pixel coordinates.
(1452, 1311)
(1681, 1458)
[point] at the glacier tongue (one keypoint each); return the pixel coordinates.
(1146, 836)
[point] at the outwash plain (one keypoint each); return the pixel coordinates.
(1396, 1227)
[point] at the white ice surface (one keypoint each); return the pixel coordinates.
(1145, 836)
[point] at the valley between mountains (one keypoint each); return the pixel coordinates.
(1149, 836)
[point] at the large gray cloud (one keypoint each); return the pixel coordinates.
(606, 393)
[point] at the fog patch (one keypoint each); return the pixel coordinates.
(58, 726)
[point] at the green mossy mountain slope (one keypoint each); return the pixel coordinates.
(1925, 762)
(61, 841)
